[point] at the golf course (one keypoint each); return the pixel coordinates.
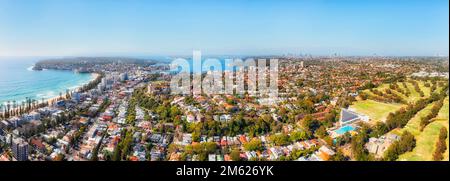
(425, 139)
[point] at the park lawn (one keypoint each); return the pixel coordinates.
(377, 111)
(426, 140)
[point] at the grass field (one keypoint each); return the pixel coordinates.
(426, 140)
(377, 111)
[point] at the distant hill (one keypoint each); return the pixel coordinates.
(74, 63)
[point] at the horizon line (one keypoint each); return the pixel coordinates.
(222, 55)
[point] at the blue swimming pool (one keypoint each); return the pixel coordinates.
(342, 130)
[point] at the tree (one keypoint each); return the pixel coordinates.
(298, 136)
(196, 136)
(280, 139)
(174, 111)
(172, 148)
(125, 144)
(309, 124)
(339, 156)
(344, 139)
(202, 156)
(441, 145)
(235, 155)
(443, 133)
(379, 129)
(406, 143)
(391, 154)
(210, 147)
(321, 132)
(358, 149)
(363, 96)
(97, 147)
(107, 155)
(116, 153)
(437, 156)
(254, 145)
(197, 148)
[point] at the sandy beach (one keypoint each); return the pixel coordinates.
(53, 100)
(56, 98)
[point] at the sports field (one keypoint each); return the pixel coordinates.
(377, 111)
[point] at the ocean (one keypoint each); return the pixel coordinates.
(18, 80)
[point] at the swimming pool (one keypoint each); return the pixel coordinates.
(342, 130)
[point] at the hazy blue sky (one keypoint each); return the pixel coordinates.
(175, 27)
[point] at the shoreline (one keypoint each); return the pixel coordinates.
(55, 98)
(52, 100)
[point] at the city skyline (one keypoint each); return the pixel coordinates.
(138, 28)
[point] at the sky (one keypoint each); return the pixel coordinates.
(223, 27)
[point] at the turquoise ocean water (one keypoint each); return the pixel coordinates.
(18, 80)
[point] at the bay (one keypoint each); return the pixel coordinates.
(18, 80)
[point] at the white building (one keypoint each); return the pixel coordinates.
(347, 117)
